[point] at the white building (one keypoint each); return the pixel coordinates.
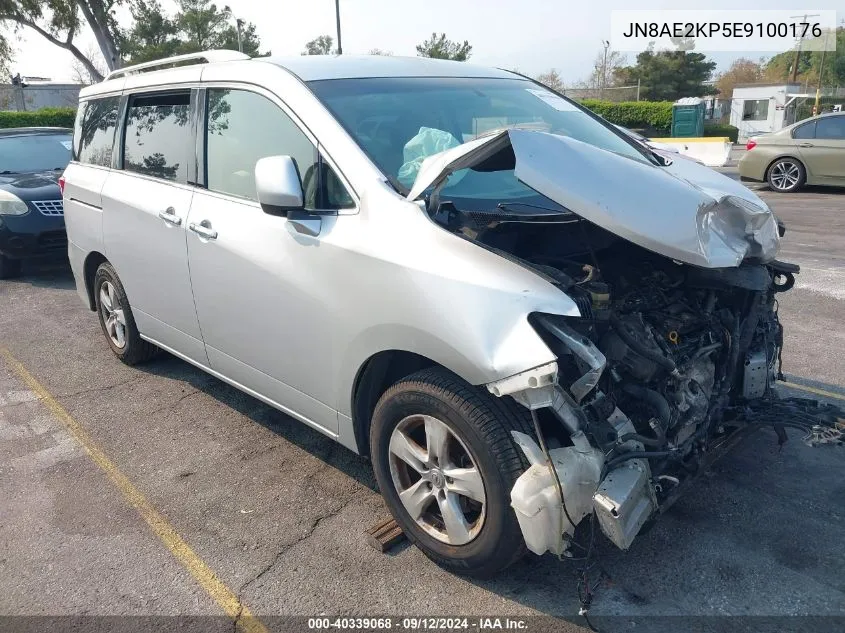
(762, 108)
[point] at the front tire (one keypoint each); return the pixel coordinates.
(445, 463)
(116, 318)
(9, 268)
(786, 175)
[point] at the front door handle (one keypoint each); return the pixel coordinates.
(169, 216)
(203, 229)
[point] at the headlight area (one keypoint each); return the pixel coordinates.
(10, 204)
(569, 476)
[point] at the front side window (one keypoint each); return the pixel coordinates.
(93, 133)
(158, 138)
(399, 121)
(30, 153)
(755, 110)
(243, 127)
(831, 128)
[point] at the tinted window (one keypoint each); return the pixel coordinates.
(93, 134)
(158, 136)
(244, 127)
(808, 130)
(831, 127)
(34, 152)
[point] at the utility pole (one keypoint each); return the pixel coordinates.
(821, 74)
(240, 24)
(337, 17)
(604, 68)
(798, 48)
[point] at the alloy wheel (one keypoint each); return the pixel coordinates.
(114, 317)
(438, 482)
(785, 175)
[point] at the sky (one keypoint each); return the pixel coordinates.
(532, 36)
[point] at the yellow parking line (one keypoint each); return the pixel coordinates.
(204, 575)
(818, 392)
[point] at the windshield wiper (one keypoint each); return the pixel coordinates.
(509, 206)
(7, 172)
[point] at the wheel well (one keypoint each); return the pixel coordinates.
(89, 269)
(376, 375)
(795, 158)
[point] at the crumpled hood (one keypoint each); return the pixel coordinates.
(685, 211)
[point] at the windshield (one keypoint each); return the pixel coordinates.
(34, 152)
(398, 121)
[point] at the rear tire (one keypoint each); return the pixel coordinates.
(786, 175)
(116, 318)
(468, 482)
(9, 268)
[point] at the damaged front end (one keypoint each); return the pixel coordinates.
(667, 368)
(676, 352)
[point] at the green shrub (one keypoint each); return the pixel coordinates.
(45, 117)
(654, 115)
(718, 129)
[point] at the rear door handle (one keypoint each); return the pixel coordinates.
(169, 216)
(203, 229)
(805, 145)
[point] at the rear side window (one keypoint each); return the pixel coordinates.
(831, 127)
(807, 130)
(243, 127)
(93, 131)
(158, 136)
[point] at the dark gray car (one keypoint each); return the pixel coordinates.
(31, 213)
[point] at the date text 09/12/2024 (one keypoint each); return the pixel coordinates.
(418, 623)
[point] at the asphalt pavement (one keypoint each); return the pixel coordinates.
(271, 515)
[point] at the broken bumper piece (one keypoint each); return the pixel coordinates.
(623, 500)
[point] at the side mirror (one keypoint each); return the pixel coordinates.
(278, 185)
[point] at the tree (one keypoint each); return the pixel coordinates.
(321, 45)
(378, 51)
(669, 75)
(202, 26)
(779, 67)
(439, 47)
(80, 72)
(6, 58)
(552, 79)
(197, 25)
(153, 34)
(60, 21)
(606, 72)
(741, 71)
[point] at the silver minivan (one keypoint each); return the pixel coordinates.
(523, 317)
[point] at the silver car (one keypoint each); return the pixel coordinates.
(523, 317)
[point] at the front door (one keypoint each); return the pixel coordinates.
(257, 282)
(146, 207)
(824, 154)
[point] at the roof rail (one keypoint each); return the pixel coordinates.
(207, 57)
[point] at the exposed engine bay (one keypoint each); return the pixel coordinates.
(668, 365)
